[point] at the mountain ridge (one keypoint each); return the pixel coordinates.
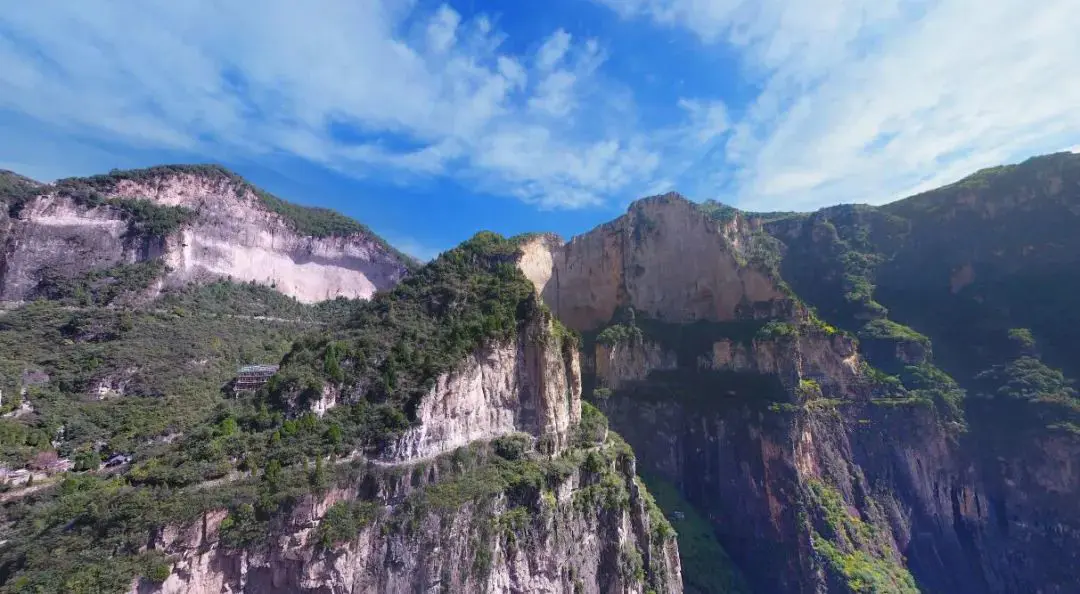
(805, 390)
(201, 221)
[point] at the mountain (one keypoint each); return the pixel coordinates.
(858, 399)
(432, 438)
(687, 398)
(170, 225)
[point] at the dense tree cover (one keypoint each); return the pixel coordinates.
(177, 357)
(89, 534)
(832, 257)
(171, 365)
(229, 298)
(399, 342)
(984, 267)
(173, 360)
(993, 252)
(100, 287)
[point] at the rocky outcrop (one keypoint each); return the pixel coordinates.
(233, 235)
(55, 236)
(665, 258)
(563, 547)
(749, 445)
(532, 386)
(629, 361)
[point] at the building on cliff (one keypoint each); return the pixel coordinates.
(251, 377)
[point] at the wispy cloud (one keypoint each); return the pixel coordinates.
(869, 100)
(855, 100)
(366, 88)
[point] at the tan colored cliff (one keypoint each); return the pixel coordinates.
(233, 235)
(831, 360)
(665, 258)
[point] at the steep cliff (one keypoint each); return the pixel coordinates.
(470, 522)
(827, 459)
(664, 258)
(202, 223)
(434, 442)
(506, 489)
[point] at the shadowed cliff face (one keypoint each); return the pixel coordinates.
(823, 464)
(232, 234)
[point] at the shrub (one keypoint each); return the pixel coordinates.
(619, 334)
(344, 520)
(593, 427)
(513, 446)
(159, 572)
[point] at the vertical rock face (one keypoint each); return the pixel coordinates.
(814, 477)
(571, 549)
(665, 258)
(55, 236)
(232, 235)
(574, 518)
(532, 386)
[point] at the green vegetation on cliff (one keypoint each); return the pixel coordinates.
(172, 362)
(707, 568)
(854, 551)
(15, 190)
(395, 346)
(100, 287)
(170, 366)
(306, 220)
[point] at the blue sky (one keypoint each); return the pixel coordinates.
(429, 120)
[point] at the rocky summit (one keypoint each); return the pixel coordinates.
(690, 398)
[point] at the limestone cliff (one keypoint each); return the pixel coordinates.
(79, 226)
(532, 386)
(564, 541)
(818, 471)
(664, 258)
(496, 487)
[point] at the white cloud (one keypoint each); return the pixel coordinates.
(857, 100)
(867, 100)
(708, 119)
(367, 88)
(553, 50)
(442, 29)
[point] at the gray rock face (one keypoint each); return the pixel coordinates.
(570, 549)
(54, 236)
(232, 236)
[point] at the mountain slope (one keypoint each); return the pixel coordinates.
(198, 222)
(432, 438)
(801, 415)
